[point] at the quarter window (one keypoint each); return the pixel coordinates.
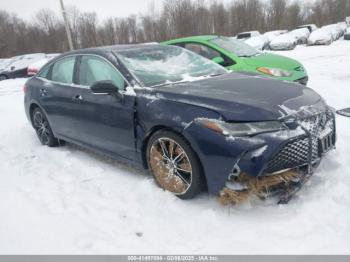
(93, 69)
(45, 73)
(62, 70)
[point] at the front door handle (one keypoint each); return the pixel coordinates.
(77, 98)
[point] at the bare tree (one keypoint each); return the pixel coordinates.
(176, 18)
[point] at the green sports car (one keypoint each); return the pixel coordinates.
(238, 56)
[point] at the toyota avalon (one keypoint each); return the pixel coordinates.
(191, 123)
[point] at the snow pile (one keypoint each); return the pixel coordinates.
(68, 200)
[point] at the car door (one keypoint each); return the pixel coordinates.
(56, 93)
(103, 121)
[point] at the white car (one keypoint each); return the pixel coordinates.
(347, 34)
(4, 63)
(283, 42)
(310, 27)
(301, 35)
(320, 37)
(273, 34)
(258, 42)
(18, 66)
(343, 26)
(246, 35)
(36, 66)
(334, 29)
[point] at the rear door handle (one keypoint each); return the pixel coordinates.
(43, 92)
(77, 98)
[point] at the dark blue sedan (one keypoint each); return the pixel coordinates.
(192, 123)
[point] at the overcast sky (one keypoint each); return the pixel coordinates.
(104, 8)
(26, 9)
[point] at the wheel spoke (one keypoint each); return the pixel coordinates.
(182, 178)
(38, 117)
(179, 157)
(40, 130)
(165, 152)
(172, 146)
(185, 167)
(184, 170)
(44, 137)
(156, 154)
(37, 120)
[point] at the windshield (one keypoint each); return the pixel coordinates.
(158, 65)
(235, 46)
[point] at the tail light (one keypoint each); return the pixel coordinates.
(24, 88)
(31, 71)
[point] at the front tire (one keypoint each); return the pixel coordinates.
(43, 129)
(174, 165)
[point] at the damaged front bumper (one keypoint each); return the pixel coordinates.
(284, 185)
(270, 164)
(290, 167)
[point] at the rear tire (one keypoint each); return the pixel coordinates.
(3, 77)
(174, 165)
(43, 129)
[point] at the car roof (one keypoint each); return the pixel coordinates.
(248, 32)
(192, 38)
(111, 48)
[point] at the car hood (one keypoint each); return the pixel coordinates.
(272, 60)
(239, 97)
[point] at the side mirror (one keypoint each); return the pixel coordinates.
(106, 88)
(219, 60)
(344, 112)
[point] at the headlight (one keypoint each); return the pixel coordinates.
(241, 129)
(274, 71)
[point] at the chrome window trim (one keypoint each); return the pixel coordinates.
(82, 86)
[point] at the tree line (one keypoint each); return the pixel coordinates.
(176, 18)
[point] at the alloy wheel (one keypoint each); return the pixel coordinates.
(170, 165)
(42, 127)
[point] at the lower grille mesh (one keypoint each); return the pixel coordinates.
(296, 153)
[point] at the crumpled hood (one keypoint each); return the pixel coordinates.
(272, 60)
(239, 97)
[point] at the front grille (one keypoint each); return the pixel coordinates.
(303, 150)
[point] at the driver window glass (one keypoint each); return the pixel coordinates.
(93, 69)
(202, 50)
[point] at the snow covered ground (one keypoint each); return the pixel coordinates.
(67, 200)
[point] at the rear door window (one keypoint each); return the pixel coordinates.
(63, 70)
(93, 69)
(45, 73)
